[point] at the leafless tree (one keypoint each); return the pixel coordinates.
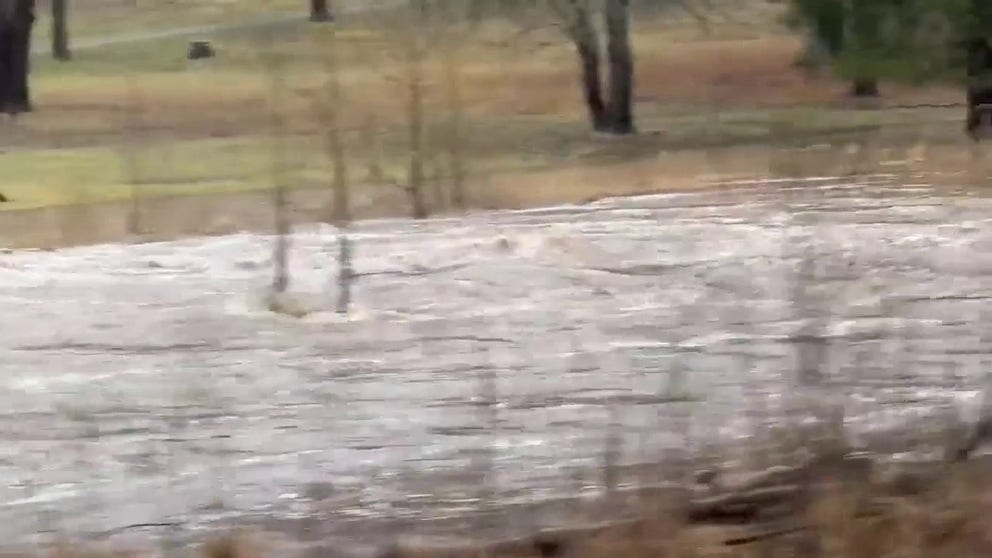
(429, 35)
(415, 53)
(132, 131)
(613, 112)
(454, 134)
(280, 255)
(60, 30)
(330, 112)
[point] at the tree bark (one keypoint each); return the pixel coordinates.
(60, 30)
(583, 34)
(621, 115)
(16, 21)
(320, 11)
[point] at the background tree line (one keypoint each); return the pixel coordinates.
(913, 41)
(864, 41)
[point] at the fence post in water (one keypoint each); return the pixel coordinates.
(344, 271)
(612, 446)
(342, 198)
(132, 129)
(484, 458)
(328, 108)
(280, 256)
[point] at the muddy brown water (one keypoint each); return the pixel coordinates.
(148, 394)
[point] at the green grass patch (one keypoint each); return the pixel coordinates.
(36, 178)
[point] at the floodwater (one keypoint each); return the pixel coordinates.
(148, 392)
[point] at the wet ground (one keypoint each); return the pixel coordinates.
(148, 392)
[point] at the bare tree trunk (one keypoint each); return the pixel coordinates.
(7, 77)
(455, 138)
(415, 185)
(583, 34)
(320, 11)
(435, 173)
(22, 53)
(133, 128)
(336, 149)
(16, 22)
(280, 251)
(415, 112)
(342, 200)
(60, 30)
(621, 115)
(979, 90)
(370, 132)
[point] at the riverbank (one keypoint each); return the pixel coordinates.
(952, 165)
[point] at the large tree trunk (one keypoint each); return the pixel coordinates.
(583, 34)
(979, 91)
(60, 30)
(319, 11)
(978, 48)
(621, 114)
(16, 21)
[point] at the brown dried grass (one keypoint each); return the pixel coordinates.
(847, 516)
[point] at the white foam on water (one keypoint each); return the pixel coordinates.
(584, 298)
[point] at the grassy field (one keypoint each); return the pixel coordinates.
(139, 119)
(89, 19)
